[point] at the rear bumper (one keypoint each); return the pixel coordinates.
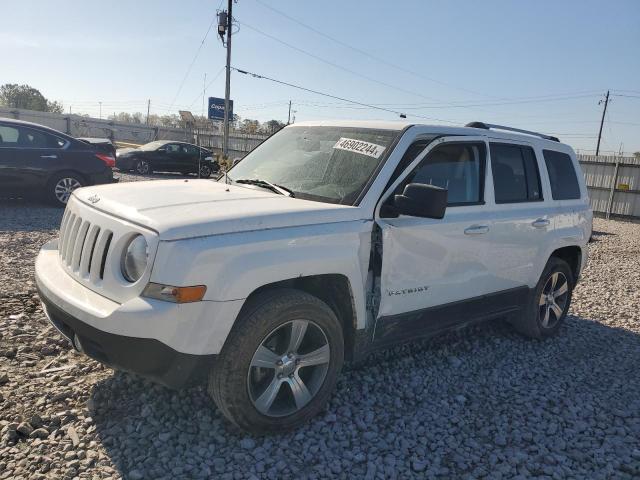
(106, 176)
(146, 357)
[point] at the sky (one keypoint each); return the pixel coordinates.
(539, 65)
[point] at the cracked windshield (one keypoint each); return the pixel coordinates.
(327, 164)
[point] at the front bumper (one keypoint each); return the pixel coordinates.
(146, 357)
(169, 343)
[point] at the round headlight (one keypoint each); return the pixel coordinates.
(134, 261)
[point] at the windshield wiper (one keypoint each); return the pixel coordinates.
(264, 184)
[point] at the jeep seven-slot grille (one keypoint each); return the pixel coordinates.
(83, 246)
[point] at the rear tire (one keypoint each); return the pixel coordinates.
(549, 302)
(60, 187)
(280, 363)
(142, 167)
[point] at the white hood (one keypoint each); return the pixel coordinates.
(191, 208)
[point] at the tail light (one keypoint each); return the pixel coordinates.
(108, 160)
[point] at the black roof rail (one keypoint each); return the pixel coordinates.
(490, 126)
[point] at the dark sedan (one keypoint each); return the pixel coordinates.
(167, 156)
(39, 161)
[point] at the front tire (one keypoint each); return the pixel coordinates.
(550, 301)
(280, 364)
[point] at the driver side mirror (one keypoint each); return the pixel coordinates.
(419, 200)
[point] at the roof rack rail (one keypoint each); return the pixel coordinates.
(489, 126)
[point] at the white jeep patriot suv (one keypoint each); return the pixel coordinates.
(330, 240)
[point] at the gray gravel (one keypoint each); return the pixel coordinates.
(483, 403)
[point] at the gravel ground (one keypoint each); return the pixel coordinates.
(483, 403)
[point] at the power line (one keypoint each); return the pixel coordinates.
(367, 54)
(425, 106)
(627, 96)
(374, 107)
(186, 75)
(335, 65)
(208, 85)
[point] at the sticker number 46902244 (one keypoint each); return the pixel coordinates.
(358, 146)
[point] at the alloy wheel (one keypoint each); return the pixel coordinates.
(63, 188)
(288, 368)
(142, 167)
(553, 299)
(205, 171)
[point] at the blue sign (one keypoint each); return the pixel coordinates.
(216, 109)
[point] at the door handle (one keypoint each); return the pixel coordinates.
(476, 230)
(541, 223)
(48, 156)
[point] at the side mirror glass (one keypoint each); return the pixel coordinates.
(419, 200)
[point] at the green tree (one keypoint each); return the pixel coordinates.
(13, 95)
(272, 126)
(249, 126)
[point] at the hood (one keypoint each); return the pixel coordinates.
(179, 209)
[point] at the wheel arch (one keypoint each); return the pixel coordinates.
(333, 289)
(572, 255)
(60, 173)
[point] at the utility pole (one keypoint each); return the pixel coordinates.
(100, 110)
(289, 117)
(227, 89)
(604, 111)
(148, 110)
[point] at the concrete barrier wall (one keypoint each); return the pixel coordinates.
(80, 126)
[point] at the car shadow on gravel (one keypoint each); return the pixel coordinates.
(28, 215)
(408, 411)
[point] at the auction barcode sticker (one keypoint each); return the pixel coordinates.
(358, 146)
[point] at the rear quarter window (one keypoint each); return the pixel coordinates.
(562, 175)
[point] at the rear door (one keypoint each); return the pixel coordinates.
(175, 157)
(523, 217)
(191, 158)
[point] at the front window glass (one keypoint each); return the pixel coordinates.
(8, 136)
(458, 168)
(327, 164)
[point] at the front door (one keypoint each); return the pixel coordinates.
(27, 156)
(438, 272)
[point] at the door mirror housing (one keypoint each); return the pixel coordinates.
(419, 200)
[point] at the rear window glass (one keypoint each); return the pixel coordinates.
(515, 174)
(562, 175)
